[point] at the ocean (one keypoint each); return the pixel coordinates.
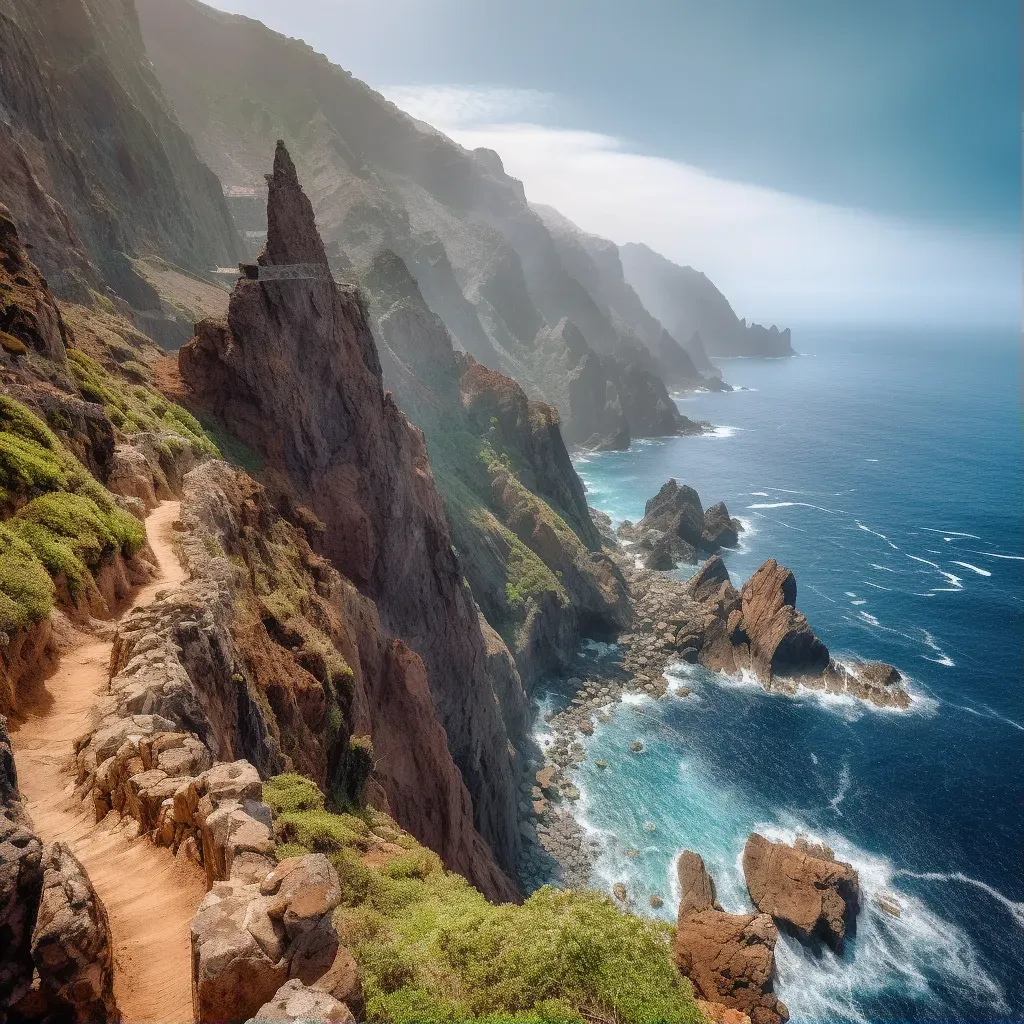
(884, 469)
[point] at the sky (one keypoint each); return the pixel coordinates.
(819, 160)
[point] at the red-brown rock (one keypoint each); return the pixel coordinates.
(803, 887)
(730, 958)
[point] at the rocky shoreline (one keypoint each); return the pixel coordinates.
(703, 620)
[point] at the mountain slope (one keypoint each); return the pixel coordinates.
(93, 164)
(483, 260)
(686, 302)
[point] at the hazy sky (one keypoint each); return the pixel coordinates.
(817, 158)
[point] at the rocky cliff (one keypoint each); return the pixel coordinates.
(294, 373)
(93, 163)
(483, 259)
(686, 302)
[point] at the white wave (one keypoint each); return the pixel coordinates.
(844, 788)
(797, 504)
(814, 758)
(1016, 910)
(974, 568)
(869, 618)
(722, 431)
(759, 494)
(951, 533)
(850, 593)
(877, 586)
(993, 554)
(912, 953)
(1002, 718)
(943, 658)
(875, 565)
(860, 601)
(871, 460)
(867, 529)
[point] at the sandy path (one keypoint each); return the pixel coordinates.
(150, 895)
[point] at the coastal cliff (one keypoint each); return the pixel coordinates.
(293, 372)
(687, 303)
(96, 169)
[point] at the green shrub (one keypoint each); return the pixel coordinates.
(65, 520)
(135, 407)
(26, 590)
(432, 950)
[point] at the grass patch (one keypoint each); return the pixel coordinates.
(432, 950)
(63, 521)
(136, 407)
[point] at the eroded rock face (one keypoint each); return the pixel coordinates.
(71, 942)
(56, 962)
(250, 937)
(21, 880)
(295, 1003)
(803, 887)
(730, 958)
(294, 372)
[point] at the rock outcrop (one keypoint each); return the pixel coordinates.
(675, 527)
(760, 629)
(57, 962)
(803, 888)
(294, 373)
(730, 958)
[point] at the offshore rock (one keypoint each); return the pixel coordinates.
(730, 958)
(293, 371)
(803, 887)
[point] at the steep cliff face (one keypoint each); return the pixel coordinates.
(93, 163)
(483, 259)
(517, 509)
(605, 401)
(685, 301)
(293, 372)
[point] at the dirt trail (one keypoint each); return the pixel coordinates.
(150, 895)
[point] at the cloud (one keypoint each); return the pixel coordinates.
(779, 257)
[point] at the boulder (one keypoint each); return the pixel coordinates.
(720, 531)
(71, 943)
(729, 958)
(249, 938)
(294, 1003)
(803, 887)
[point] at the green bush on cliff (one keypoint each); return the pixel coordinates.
(433, 950)
(63, 521)
(26, 590)
(132, 406)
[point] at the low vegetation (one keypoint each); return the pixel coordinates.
(60, 523)
(432, 950)
(136, 407)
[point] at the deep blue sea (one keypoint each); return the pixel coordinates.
(885, 469)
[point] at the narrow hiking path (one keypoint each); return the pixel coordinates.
(149, 894)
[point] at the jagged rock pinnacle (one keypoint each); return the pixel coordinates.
(292, 236)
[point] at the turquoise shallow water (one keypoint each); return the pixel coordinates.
(886, 471)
